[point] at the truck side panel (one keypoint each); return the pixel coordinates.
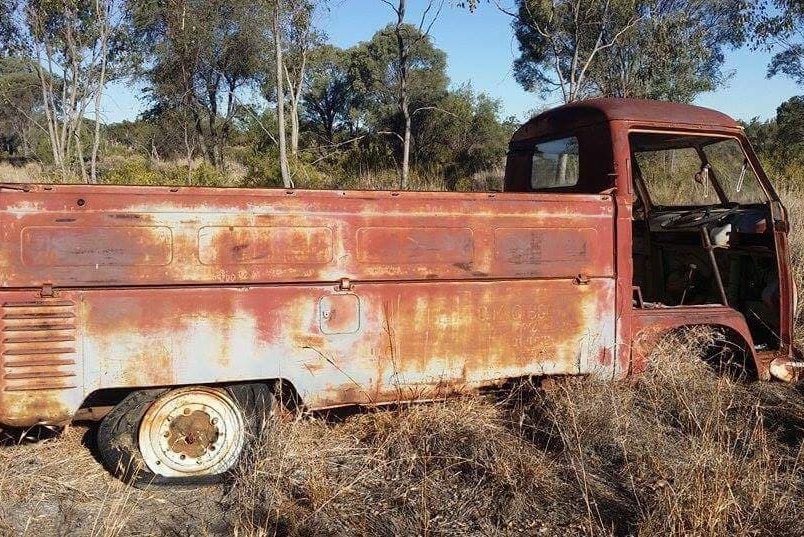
(443, 296)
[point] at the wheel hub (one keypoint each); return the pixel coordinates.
(190, 432)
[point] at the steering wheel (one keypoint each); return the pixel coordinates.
(697, 218)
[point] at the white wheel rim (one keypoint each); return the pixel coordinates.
(192, 432)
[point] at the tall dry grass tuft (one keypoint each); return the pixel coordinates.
(450, 467)
(683, 451)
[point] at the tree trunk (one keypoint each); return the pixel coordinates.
(405, 147)
(103, 18)
(294, 127)
(403, 95)
(280, 101)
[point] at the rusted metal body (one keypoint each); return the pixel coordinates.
(351, 297)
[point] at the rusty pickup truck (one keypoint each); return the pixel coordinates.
(181, 313)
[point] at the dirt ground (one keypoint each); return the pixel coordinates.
(55, 486)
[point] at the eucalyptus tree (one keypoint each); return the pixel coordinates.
(75, 47)
(665, 49)
(329, 100)
(397, 87)
(779, 27)
(198, 58)
(407, 38)
(560, 41)
(675, 51)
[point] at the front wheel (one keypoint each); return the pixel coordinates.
(187, 436)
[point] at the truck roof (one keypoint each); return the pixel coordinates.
(637, 111)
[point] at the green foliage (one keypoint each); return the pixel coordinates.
(460, 135)
(778, 26)
(779, 143)
(20, 97)
(138, 171)
(10, 38)
(655, 49)
(198, 57)
(674, 52)
(330, 101)
(376, 73)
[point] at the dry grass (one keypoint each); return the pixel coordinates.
(28, 172)
(682, 451)
(56, 487)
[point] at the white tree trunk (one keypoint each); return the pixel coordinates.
(103, 20)
(280, 100)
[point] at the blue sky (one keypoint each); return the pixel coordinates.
(481, 48)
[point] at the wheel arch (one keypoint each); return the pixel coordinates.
(650, 326)
(97, 403)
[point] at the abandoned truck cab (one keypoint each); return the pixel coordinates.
(181, 315)
(700, 234)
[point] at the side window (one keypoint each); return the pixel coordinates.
(734, 172)
(556, 164)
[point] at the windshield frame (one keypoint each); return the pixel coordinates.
(643, 192)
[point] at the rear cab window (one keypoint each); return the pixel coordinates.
(579, 161)
(555, 164)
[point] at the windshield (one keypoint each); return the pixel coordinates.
(684, 170)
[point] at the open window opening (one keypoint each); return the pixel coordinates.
(702, 231)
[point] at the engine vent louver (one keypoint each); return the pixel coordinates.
(38, 345)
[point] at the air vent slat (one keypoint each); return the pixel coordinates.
(39, 339)
(37, 315)
(37, 348)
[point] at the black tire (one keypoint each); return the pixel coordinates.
(117, 436)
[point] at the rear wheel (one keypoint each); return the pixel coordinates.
(184, 437)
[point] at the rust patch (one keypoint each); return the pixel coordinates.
(264, 245)
(90, 246)
(546, 251)
(415, 245)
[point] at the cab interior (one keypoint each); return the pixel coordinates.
(703, 230)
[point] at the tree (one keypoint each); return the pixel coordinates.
(329, 96)
(407, 38)
(198, 56)
(73, 48)
(763, 135)
(20, 103)
(673, 52)
(462, 135)
(656, 49)
(790, 128)
(301, 39)
(778, 26)
(396, 88)
(560, 40)
(280, 94)
(10, 38)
